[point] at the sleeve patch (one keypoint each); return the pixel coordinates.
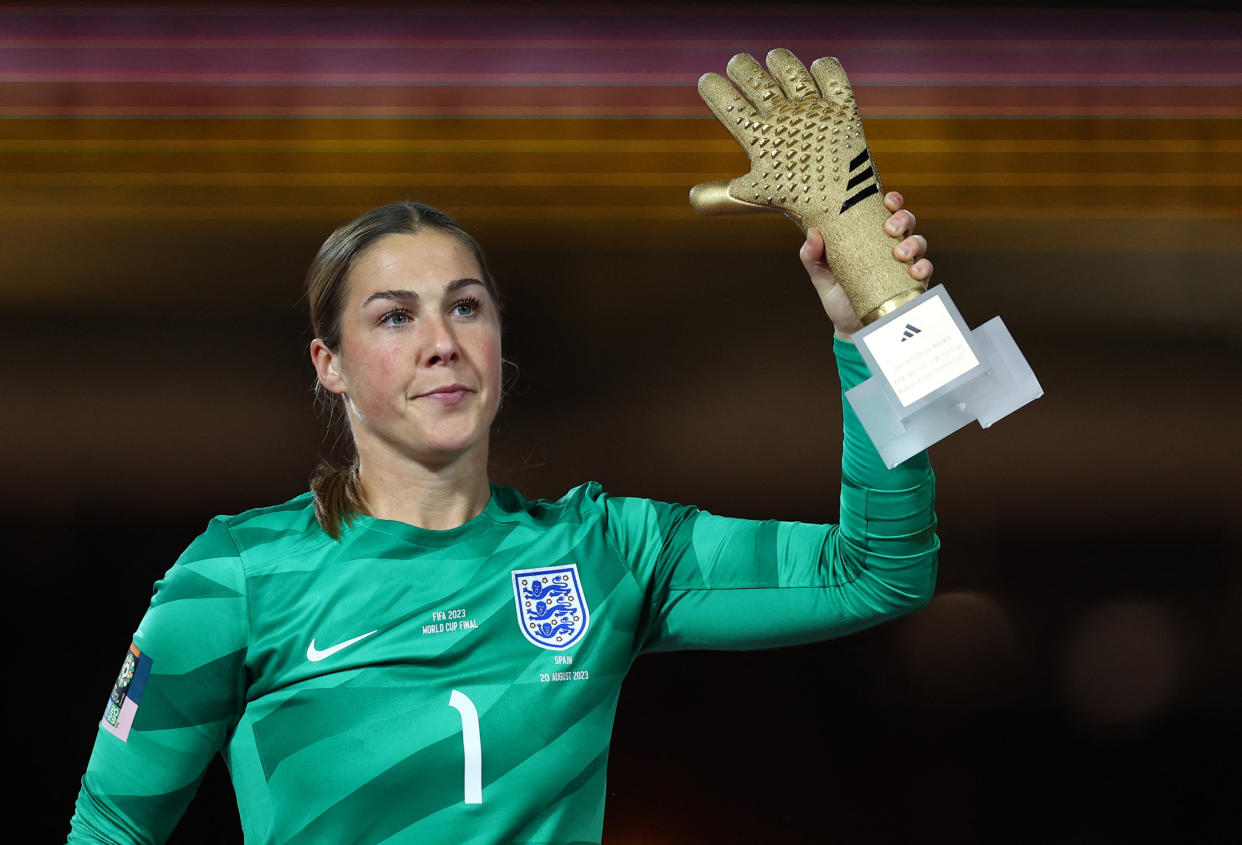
(126, 695)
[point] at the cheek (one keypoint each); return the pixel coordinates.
(490, 353)
(386, 363)
(372, 373)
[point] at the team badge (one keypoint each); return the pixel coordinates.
(127, 692)
(552, 612)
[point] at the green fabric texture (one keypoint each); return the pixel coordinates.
(361, 743)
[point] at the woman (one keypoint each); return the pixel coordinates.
(409, 654)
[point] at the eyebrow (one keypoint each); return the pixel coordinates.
(452, 286)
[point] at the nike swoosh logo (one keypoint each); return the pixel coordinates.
(314, 655)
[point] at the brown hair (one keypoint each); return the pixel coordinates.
(335, 482)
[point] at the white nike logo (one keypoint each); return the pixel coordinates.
(314, 655)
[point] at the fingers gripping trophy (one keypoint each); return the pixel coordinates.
(809, 161)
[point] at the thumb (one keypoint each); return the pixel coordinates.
(711, 198)
(812, 257)
(812, 253)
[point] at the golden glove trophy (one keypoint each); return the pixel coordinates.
(809, 161)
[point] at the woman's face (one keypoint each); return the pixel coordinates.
(419, 358)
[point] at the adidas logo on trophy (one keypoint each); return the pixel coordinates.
(860, 178)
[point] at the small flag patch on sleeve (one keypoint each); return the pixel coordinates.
(126, 695)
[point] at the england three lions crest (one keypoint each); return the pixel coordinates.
(552, 612)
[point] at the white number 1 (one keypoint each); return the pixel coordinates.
(471, 746)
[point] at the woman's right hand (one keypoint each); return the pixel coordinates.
(911, 248)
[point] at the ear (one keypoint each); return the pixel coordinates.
(326, 366)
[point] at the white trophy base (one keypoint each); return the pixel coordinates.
(931, 375)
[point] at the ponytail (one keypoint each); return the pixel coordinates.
(334, 483)
(337, 496)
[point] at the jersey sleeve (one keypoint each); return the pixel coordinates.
(712, 582)
(176, 701)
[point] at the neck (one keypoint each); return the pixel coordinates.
(437, 497)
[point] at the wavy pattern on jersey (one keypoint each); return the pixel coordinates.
(176, 701)
(297, 728)
(425, 813)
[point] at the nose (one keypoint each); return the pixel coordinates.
(440, 346)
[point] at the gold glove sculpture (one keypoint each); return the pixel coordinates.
(809, 161)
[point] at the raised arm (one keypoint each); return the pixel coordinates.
(716, 582)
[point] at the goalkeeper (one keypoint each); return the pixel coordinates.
(409, 653)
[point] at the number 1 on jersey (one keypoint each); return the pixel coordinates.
(471, 745)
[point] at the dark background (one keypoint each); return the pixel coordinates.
(1076, 678)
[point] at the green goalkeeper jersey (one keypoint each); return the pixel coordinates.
(403, 685)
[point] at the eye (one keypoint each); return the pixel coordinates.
(467, 307)
(396, 317)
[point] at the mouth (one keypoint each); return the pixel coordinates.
(450, 394)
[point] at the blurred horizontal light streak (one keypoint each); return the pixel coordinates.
(518, 79)
(268, 111)
(660, 146)
(556, 43)
(570, 213)
(147, 97)
(574, 180)
(1102, 123)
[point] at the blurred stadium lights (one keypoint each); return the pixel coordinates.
(963, 652)
(1123, 664)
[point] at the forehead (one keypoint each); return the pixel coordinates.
(423, 262)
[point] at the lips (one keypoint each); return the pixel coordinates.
(450, 394)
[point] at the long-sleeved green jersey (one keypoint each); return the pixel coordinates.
(403, 685)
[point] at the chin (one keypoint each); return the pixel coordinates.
(448, 449)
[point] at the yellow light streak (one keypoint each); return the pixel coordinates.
(963, 178)
(601, 145)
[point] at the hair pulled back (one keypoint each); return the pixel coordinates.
(334, 483)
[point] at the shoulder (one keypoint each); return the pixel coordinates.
(216, 563)
(260, 533)
(586, 502)
(589, 502)
(509, 505)
(255, 526)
